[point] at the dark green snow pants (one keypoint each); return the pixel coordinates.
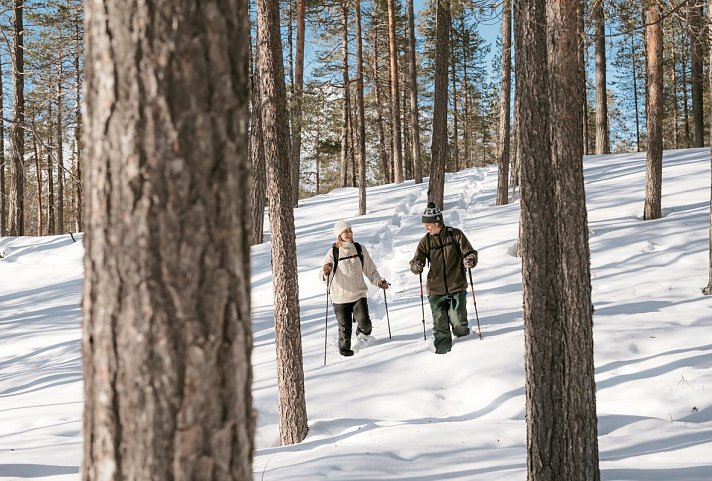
(448, 310)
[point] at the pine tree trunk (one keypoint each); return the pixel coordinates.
(697, 47)
(654, 160)
(258, 183)
(708, 289)
(290, 372)
(561, 414)
(361, 114)
(60, 151)
(167, 331)
(397, 148)
(3, 186)
(673, 80)
(635, 95)
(436, 188)
(297, 99)
(51, 211)
(345, 114)
(382, 152)
(17, 133)
(413, 88)
(38, 170)
(78, 187)
(504, 106)
(573, 339)
(603, 144)
(455, 159)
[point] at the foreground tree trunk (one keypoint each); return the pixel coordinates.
(288, 340)
(505, 103)
(560, 412)
(167, 334)
(654, 159)
(436, 188)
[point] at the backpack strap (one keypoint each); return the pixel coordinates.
(335, 254)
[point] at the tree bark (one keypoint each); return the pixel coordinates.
(560, 412)
(297, 99)
(17, 133)
(697, 48)
(258, 185)
(3, 186)
(503, 143)
(603, 143)
(78, 187)
(413, 88)
(654, 159)
(575, 391)
(38, 170)
(345, 118)
(60, 150)
(708, 288)
(455, 158)
(436, 188)
(51, 212)
(361, 114)
(397, 148)
(382, 152)
(167, 331)
(288, 341)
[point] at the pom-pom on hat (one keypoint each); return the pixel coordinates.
(432, 215)
(340, 226)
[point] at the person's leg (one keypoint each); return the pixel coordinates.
(362, 318)
(458, 314)
(439, 306)
(344, 315)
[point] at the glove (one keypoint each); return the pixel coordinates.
(327, 269)
(416, 267)
(470, 260)
(382, 284)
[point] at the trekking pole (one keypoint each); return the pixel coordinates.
(326, 315)
(385, 300)
(474, 300)
(422, 304)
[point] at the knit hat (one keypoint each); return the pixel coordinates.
(432, 215)
(340, 226)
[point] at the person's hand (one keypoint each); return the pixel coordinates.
(327, 269)
(382, 284)
(470, 261)
(416, 267)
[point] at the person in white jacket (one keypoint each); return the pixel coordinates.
(346, 283)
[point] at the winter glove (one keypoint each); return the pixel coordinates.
(327, 269)
(416, 267)
(470, 260)
(382, 284)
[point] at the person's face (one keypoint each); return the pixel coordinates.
(433, 229)
(347, 235)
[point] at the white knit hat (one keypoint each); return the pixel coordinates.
(340, 226)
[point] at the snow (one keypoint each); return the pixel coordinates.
(395, 410)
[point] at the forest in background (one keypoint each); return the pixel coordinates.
(334, 70)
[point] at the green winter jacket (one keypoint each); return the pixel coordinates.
(445, 251)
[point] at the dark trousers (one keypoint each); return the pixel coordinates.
(348, 313)
(449, 310)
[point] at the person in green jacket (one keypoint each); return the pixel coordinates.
(449, 253)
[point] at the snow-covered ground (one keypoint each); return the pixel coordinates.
(395, 410)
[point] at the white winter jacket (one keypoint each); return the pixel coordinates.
(347, 284)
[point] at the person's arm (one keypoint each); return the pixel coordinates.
(328, 260)
(421, 254)
(469, 254)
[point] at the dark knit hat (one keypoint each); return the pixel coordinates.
(432, 215)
